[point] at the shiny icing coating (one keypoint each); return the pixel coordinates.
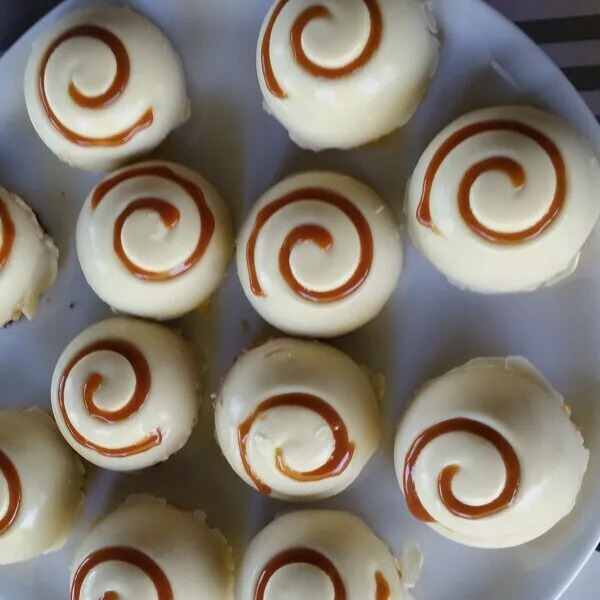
(154, 240)
(104, 85)
(503, 199)
(319, 254)
(125, 393)
(488, 456)
(323, 66)
(319, 554)
(28, 259)
(147, 548)
(41, 485)
(297, 419)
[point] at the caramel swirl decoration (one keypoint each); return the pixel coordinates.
(13, 484)
(337, 463)
(127, 555)
(315, 233)
(169, 215)
(314, 558)
(511, 463)
(93, 383)
(7, 227)
(503, 164)
(100, 101)
(312, 13)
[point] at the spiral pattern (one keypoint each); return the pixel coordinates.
(100, 101)
(306, 556)
(496, 163)
(94, 381)
(346, 560)
(449, 500)
(168, 213)
(7, 227)
(13, 483)
(336, 464)
(317, 235)
(310, 14)
(314, 558)
(127, 555)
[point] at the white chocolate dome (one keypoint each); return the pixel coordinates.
(339, 74)
(125, 393)
(319, 254)
(503, 199)
(28, 259)
(41, 485)
(487, 455)
(297, 419)
(103, 85)
(318, 554)
(154, 239)
(149, 549)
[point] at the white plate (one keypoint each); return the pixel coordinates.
(428, 327)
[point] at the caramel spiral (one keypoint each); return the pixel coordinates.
(13, 483)
(497, 163)
(319, 236)
(314, 558)
(306, 556)
(337, 463)
(310, 14)
(93, 383)
(127, 555)
(103, 100)
(8, 234)
(449, 500)
(168, 213)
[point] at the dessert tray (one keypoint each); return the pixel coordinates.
(427, 328)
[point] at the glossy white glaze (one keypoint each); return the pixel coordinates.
(51, 481)
(153, 245)
(366, 104)
(156, 82)
(513, 398)
(168, 413)
(288, 366)
(31, 265)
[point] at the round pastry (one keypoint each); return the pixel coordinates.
(103, 85)
(319, 254)
(28, 259)
(297, 419)
(148, 549)
(503, 199)
(41, 485)
(154, 239)
(319, 554)
(341, 74)
(487, 455)
(125, 393)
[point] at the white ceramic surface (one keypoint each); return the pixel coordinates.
(428, 327)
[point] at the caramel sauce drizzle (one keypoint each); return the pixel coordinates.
(319, 236)
(13, 482)
(498, 163)
(449, 500)
(383, 591)
(343, 449)
(306, 556)
(8, 234)
(314, 558)
(168, 213)
(127, 555)
(93, 383)
(100, 101)
(310, 14)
